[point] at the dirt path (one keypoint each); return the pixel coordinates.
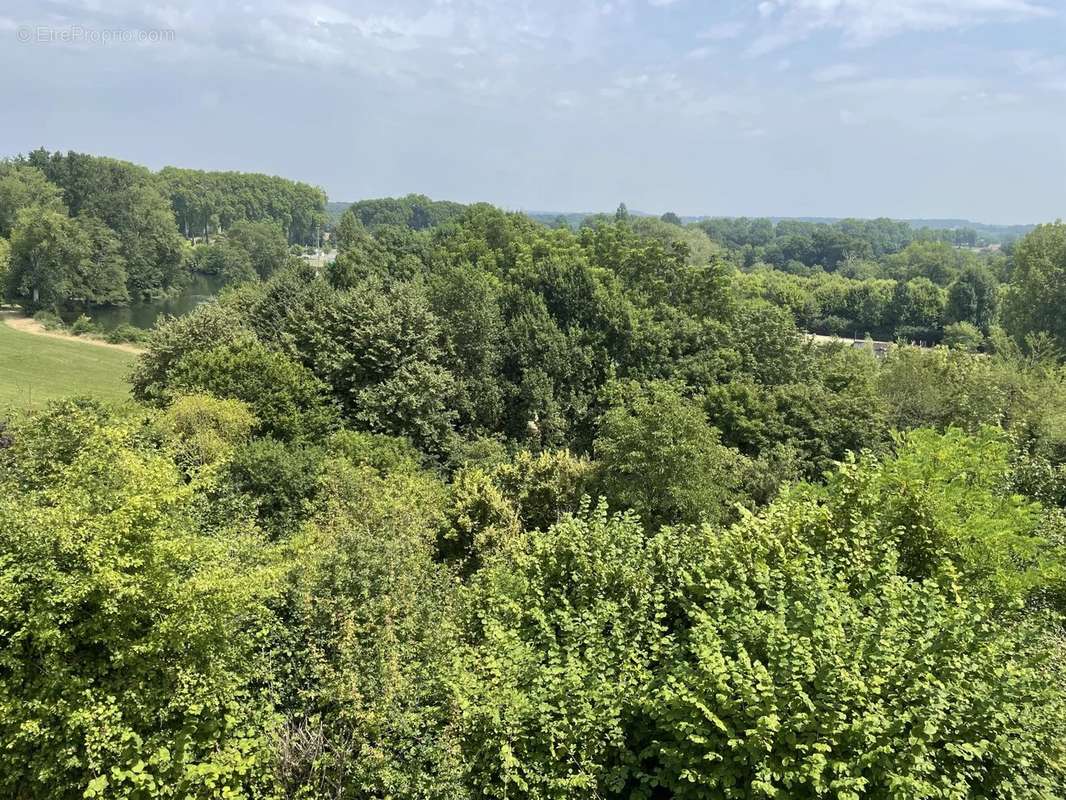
(29, 325)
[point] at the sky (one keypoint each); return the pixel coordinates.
(901, 108)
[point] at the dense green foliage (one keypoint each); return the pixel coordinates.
(127, 199)
(98, 231)
(414, 211)
(206, 203)
(1037, 294)
(487, 509)
(885, 278)
(129, 629)
(183, 620)
(55, 259)
(24, 186)
(931, 287)
(880, 278)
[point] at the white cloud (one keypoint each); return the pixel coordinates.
(1049, 72)
(468, 45)
(662, 93)
(862, 22)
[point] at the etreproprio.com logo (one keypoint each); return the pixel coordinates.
(79, 34)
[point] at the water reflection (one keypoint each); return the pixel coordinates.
(201, 289)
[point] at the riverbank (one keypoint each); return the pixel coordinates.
(23, 324)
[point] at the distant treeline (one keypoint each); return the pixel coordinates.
(884, 278)
(414, 211)
(210, 202)
(789, 243)
(955, 231)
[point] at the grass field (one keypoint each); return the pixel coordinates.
(35, 369)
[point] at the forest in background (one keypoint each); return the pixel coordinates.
(84, 231)
(76, 228)
(484, 508)
(962, 231)
(853, 278)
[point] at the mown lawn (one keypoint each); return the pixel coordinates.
(35, 369)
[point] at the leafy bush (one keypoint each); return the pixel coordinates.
(544, 488)
(46, 443)
(283, 481)
(131, 655)
(810, 667)
(963, 336)
(49, 320)
(126, 334)
(374, 641)
(565, 635)
(481, 522)
(799, 653)
(941, 388)
(289, 402)
(383, 453)
(946, 503)
(203, 430)
(82, 325)
(208, 326)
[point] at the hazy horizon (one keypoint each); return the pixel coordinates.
(607, 209)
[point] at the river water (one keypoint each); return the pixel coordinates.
(201, 289)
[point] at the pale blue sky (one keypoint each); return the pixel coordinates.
(903, 108)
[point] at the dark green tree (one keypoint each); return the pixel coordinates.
(48, 249)
(22, 186)
(102, 277)
(265, 244)
(658, 456)
(973, 298)
(1038, 292)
